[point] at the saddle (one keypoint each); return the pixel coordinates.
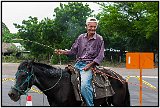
(75, 79)
(100, 83)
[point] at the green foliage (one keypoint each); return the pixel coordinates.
(11, 59)
(13, 49)
(14, 59)
(57, 59)
(131, 26)
(40, 33)
(6, 35)
(69, 22)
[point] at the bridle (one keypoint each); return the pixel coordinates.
(27, 80)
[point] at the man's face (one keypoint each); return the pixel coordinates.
(91, 27)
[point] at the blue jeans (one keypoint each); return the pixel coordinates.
(86, 87)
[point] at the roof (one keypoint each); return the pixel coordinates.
(19, 46)
(6, 46)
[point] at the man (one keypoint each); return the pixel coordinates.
(89, 51)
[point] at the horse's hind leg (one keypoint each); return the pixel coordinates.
(106, 103)
(97, 102)
(101, 102)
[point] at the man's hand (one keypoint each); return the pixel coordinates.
(59, 51)
(88, 66)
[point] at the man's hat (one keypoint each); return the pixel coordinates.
(91, 19)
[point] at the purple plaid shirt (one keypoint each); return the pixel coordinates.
(88, 50)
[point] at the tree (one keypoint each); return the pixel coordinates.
(130, 25)
(6, 35)
(36, 36)
(70, 21)
(57, 33)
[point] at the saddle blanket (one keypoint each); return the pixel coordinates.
(100, 83)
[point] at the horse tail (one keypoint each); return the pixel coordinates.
(127, 97)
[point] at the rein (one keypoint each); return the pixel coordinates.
(29, 77)
(58, 79)
(55, 83)
(26, 80)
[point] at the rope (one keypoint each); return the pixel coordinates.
(58, 79)
(123, 81)
(98, 71)
(26, 81)
(54, 84)
(36, 43)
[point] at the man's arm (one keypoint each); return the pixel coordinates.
(100, 56)
(60, 52)
(73, 50)
(88, 66)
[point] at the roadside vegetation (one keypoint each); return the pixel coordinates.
(125, 26)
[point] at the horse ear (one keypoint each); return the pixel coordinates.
(33, 60)
(30, 62)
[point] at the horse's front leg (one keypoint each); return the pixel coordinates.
(51, 102)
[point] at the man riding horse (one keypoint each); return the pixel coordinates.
(62, 86)
(89, 51)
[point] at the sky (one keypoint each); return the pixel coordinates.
(16, 12)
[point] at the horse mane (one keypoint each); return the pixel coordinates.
(50, 71)
(45, 65)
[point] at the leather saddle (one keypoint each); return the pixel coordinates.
(100, 83)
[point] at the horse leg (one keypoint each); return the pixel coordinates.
(118, 98)
(122, 97)
(101, 102)
(118, 101)
(127, 96)
(107, 102)
(51, 102)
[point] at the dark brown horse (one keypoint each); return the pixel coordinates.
(56, 84)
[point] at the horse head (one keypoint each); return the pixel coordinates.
(23, 80)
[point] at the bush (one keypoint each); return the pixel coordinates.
(55, 59)
(11, 59)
